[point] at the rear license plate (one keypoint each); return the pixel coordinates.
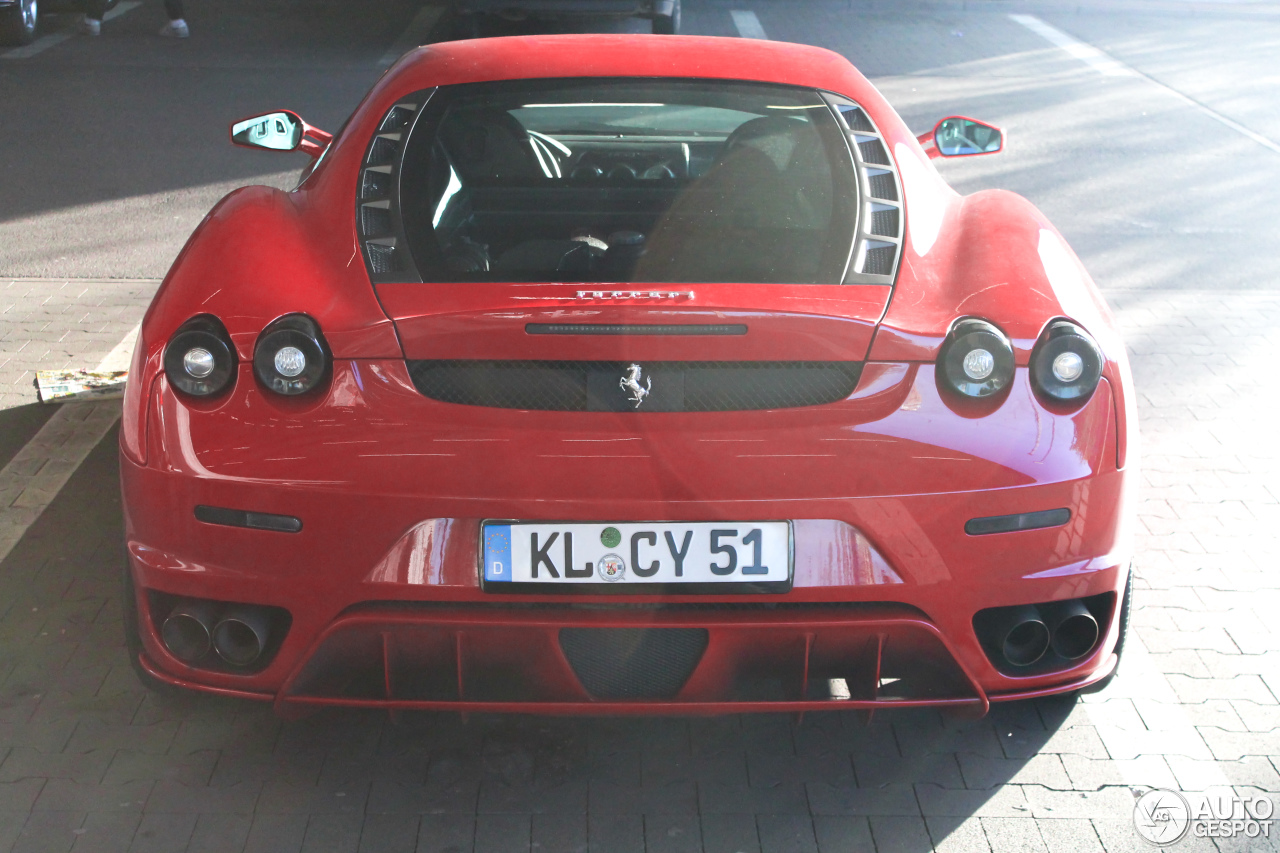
(638, 556)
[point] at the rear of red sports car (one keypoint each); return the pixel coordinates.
(626, 375)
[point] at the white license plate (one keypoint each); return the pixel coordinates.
(637, 552)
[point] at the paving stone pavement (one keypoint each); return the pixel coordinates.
(91, 761)
(52, 324)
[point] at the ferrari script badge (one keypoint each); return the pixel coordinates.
(631, 384)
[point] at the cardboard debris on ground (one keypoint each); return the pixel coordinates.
(66, 386)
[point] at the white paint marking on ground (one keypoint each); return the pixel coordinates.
(125, 7)
(1100, 61)
(35, 475)
(1112, 67)
(45, 42)
(120, 357)
(39, 45)
(749, 26)
(413, 35)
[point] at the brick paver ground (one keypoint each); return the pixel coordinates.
(91, 761)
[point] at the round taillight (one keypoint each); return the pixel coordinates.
(291, 356)
(199, 359)
(1066, 363)
(976, 360)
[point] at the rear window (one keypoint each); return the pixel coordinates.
(628, 181)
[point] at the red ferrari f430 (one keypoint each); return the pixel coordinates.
(627, 375)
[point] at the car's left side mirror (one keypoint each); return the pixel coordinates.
(283, 130)
(957, 136)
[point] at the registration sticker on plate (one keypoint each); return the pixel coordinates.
(632, 553)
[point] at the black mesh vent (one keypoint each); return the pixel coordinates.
(375, 221)
(397, 119)
(856, 119)
(383, 152)
(880, 260)
(381, 258)
(579, 386)
(885, 223)
(375, 185)
(882, 186)
(873, 152)
(633, 663)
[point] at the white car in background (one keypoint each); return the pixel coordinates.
(665, 14)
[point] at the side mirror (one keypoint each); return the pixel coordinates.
(280, 131)
(957, 136)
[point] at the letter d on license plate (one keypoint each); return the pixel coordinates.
(630, 554)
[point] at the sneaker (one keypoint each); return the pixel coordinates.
(90, 26)
(176, 29)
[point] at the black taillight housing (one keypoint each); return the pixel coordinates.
(976, 359)
(1066, 363)
(199, 359)
(291, 356)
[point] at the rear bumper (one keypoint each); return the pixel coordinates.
(517, 661)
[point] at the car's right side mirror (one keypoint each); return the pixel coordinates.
(957, 136)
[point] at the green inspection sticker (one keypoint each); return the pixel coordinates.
(610, 537)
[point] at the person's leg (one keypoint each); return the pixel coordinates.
(93, 12)
(177, 26)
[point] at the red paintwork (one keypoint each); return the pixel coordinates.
(392, 486)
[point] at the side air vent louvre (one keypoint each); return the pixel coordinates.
(880, 258)
(378, 208)
(884, 220)
(878, 250)
(381, 257)
(375, 220)
(882, 185)
(873, 152)
(376, 183)
(399, 118)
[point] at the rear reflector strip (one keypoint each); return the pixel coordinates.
(244, 518)
(1019, 521)
(633, 329)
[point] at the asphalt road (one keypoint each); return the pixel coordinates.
(1147, 130)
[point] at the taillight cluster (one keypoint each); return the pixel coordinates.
(976, 361)
(290, 357)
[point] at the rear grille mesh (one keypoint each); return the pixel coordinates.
(633, 663)
(579, 386)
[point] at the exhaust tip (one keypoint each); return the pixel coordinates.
(1075, 630)
(1026, 640)
(241, 636)
(186, 632)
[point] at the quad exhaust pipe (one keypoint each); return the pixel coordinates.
(241, 635)
(1072, 627)
(188, 631)
(238, 634)
(1022, 635)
